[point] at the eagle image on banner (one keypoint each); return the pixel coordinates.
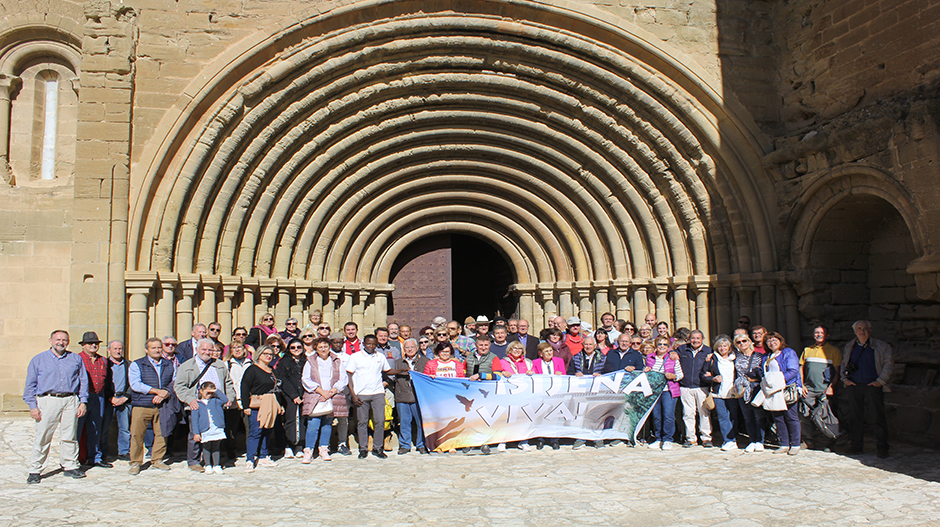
(458, 413)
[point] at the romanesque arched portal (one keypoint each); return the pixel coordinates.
(611, 175)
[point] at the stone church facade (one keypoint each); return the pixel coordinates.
(165, 163)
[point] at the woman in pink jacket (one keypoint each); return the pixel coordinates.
(548, 363)
(664, 409)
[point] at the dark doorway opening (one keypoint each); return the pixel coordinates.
(450, 275)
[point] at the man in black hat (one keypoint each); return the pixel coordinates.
(99, 382)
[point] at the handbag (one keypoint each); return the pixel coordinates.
(322, 408)
(710, 402)
(791, 394)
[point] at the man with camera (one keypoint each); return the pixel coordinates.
(866, 369)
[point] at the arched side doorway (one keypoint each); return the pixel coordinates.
(450, 275)
(585, 154)
(856, 236)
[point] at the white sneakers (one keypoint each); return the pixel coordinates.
(655, 445)
(218, 470)
(667, 445)
(525, 448)
(249, 467)
(730, 445)
(754, 447)
(501, 447)
(794, 450)
(267, 462)
(288, 453)
(308, 456)
(325, 453)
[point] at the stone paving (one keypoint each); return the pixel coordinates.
(614, 486)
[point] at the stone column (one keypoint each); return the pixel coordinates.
(267, 286)
(680, 302)
(8, 84)
(139, 285)
(622, 301)
(641, 305)
(345, 308)
(663, 311)
(359, 299)
(746, 296)
(702, 321)
(526, 302)
(316, 301)
(189, 283)
(282, 308)
(548, 303)
(601, 304)
(724, 309)
(380, 305)
(585, 306)
(791, 305)
(207, 308)
(298, 308)
(246, 311)
(166, 305)
(565, 308)
(230, 286)
(330, 305)
(768, 306)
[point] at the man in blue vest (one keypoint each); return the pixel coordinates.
(151, 380)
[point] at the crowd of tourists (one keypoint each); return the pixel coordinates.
(300, 392)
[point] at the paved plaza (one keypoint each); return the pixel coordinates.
(614, 486)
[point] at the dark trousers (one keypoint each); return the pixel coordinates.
(788, 426)
(859, 398)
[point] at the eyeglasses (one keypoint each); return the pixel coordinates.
(290, 323)
(636, 343)
(215, 330)
(267, 354)
(274, 345)
(324, 327)
(423, 341)
(240, 334)
(662, 345)
(296, 347)
(169, 344)
(307, 337)
(267, 319)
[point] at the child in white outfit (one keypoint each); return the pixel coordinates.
(208, 425)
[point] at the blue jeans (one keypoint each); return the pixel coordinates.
(664, 418)
(322, 424)
(257, 436)
(122, 414)
(727, 410)
(90, 424)
(408, 413)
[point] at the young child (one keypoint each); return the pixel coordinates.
(208, 425)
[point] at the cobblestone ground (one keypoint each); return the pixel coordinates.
(614, 486)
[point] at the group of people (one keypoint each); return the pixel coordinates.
(301, 390)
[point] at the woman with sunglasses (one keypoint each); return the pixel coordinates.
(259, 393)
(323, 330)
(263, 330)
(275, 341)
(238, 337)
(309, 341)
(424, 347)
(664, 409)
(288, 370)
(719, 372)
(747, 368)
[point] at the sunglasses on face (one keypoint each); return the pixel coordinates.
(324, 327)
(170, 344)
(296, 347)
(307, 337)
(240, 334)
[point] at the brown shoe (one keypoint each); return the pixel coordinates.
(134, 469)
(196, 468)
(388, 443)
(159, 465)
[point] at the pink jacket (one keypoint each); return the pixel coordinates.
(669, 366)
(557, 364)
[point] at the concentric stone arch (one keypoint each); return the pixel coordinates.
(611, 174)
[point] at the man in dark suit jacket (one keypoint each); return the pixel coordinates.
(530, 342)
(623, 357)
(184, 350)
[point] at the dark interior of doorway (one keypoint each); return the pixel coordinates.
(453, 275)
(481, 279)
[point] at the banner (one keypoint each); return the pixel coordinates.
(458, 413)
